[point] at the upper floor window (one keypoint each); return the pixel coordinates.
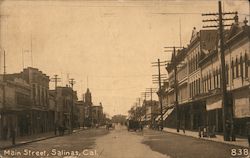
(246, 65)
(232, 67)
(227, 73)
(237, 68)
(241, 66)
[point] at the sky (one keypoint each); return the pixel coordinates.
(106, 46)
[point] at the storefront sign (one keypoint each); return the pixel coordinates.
(242, 107)
(214, 103)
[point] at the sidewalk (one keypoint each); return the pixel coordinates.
(219, 138)
(4, 144)
(29, 139)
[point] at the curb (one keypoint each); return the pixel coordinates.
(32, 141)
(27, 142)
(206, 139)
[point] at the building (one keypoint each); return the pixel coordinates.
(198, 77)
(152, 111)
(81, 115)
(185, 78)
(65, 98)
(88, 121)
(15, 104)
(25, 103)
(97, 114)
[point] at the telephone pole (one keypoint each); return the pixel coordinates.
(4, 78)
(144, 94)
(174, 64)
(227, 110)
(159, 79)
(151, 91)
(56, 80)
(72, 82)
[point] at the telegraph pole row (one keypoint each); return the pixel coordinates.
(227, 106)
(72, 82)
(159, 76)
(174, 64)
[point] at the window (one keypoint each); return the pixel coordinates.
(214, 77)
(199, 88)
(246, 65)
(39, 94)
(190, 90)
(219, 77)
(227, 74)
(196, 62)
(34, 90)
(232, 67)
(210, 81)
(236, 68)
(207, 82)
(241, 66)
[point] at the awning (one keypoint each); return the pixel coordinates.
(214, 103)
(169, 111)
(158, 117)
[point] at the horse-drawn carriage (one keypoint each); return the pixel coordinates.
(133, 125)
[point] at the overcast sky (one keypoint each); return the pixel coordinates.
(112, 43)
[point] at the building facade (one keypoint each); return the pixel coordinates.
(198, 77)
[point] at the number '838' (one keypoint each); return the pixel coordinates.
(239, 152)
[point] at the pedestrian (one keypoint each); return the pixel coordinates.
(183, 127)
(232, 132)
(13, 135)
(200, 130)
(248, 132)
(5, 132)
(141, 127)
(228, 129)
(56, 127)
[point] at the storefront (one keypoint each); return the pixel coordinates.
(241, 108)
(214, 113)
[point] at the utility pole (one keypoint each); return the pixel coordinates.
(4, 65)
(55, 79)
(151, 91)
(227, 110)
(159, 76)
(144, 94)
(139, 112)
(4, 78)
(174, 64)
(72, 82)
